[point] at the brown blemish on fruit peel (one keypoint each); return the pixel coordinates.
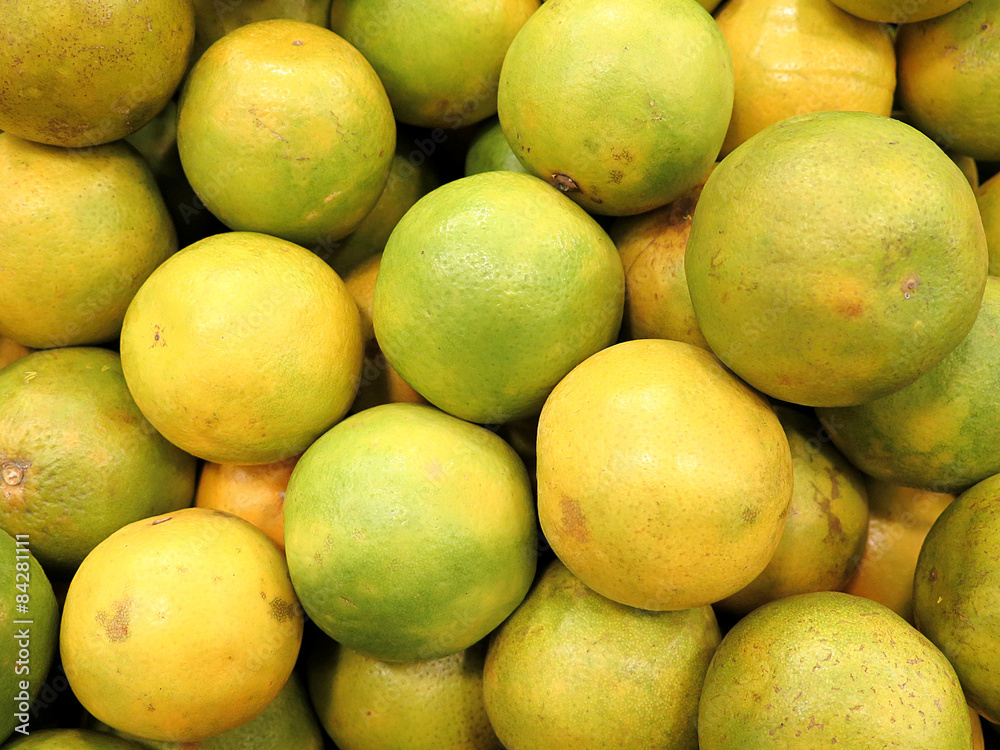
(910, 285)
(574, 523)
(281, 610)
(116, 627)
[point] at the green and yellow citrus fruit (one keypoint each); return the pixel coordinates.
(835, 257)
(621, 105)
(956, 592)
(439, 59)
(72, 739)
(824, 536)
(407, 183)
(806, 670)
(572, 669)
(490, 290)
(242, 348)
(380, 383)
(77, 457)
(367, 704)
(82, 74)
(988, 197)
(410, 534)
(663, 481)
(948, 68)
(29, 625)
(791, 57)
(489, 151)
(79, 233)
(941, 432)
(285, 129)
(181, 626)
(213, 19)
(288, 723)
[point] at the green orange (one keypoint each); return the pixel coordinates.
(490, 290)
(940, 432)
(956, 593)
(835, 257)
(213, 19)
(439, 59)
(803, 671)
(410, 534)
(29, 626)
(72, 739)
(489, 151)
(288, 723)
(663, 481)
(242, 348)
(623, 106)
(572, 669)
(285, 129)
(79, 233)
(367, 704)
(88, 73)
(407, 183)
(78, 458)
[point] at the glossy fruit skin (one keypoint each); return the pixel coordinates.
(663, 481)
(367, 704)
(955, 591)
(490, 290)
(80, 232)
(645, 671)
(791, 57)
(79, 459)
(831, 665)
(448, 507)
(207, 635)
(242, 348)
(948, 67)
(85, 74)
(622, 105)
(853, 293)
(285, 129)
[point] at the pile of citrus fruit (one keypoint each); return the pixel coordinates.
(479, 374)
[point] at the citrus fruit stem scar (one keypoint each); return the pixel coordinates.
(12, 474)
